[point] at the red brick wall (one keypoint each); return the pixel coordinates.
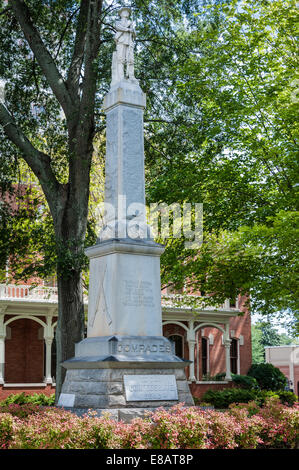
(241, 325)
(24, 353)
(286, 371)
(198, 390)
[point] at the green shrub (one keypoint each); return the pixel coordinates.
(243, 426)
(21, 411)
(36, 399)
(285, 397)
(223, 398)
(245, 381)
(268, 376)
(215, 378)
(6, 430)
(220, 376)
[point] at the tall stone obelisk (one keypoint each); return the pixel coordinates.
(124, 364)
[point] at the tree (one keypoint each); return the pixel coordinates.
(68, 201)
(56, 58)
(239, 129)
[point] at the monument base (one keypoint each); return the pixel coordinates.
(118, 414)
(111, 373)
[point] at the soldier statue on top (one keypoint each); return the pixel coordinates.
(124, 54)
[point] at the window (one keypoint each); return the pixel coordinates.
(204, 356)
(234, 356)
(178, 344)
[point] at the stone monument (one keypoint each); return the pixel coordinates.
(124, 365)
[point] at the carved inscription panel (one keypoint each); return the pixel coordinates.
(137, 294)
(150, 387)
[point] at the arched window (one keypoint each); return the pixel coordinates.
(234, 356)
(204, 356)
(178, 344)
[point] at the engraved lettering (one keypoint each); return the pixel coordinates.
(150, 387)
(137, 293)
(142, 348)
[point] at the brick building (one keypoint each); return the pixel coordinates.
(286, 358)
(216, 340)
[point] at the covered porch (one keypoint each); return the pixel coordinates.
(28, 318)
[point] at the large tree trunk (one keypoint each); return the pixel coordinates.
(70, 231)
(70, 326)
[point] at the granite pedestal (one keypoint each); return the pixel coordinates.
(125, 375)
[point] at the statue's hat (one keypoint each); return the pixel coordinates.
(124, 9)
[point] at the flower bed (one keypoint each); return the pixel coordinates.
(244, 426)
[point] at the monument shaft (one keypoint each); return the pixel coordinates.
(124, 147)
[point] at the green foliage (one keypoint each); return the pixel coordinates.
(287, 397)
(218, 377)
(257, 348)
(268, 376)
(222, 399)
(234, 147)
(242, 426)
(36, 399)
(6, 430)
(245, 381)
(264, 334)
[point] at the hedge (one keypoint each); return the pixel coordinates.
(242, 426)
(223, 398)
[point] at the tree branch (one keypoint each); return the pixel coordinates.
(64, 31)
(78, 53)
(38, 161)
(5, 11)
(43, 57)
(92, 44)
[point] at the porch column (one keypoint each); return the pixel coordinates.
(2, 348)
(48, 337)
(48, 342)
(227, 343)
(191, 345)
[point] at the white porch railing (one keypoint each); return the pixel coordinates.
(24, 292)
(172, 300)
(30, 293)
